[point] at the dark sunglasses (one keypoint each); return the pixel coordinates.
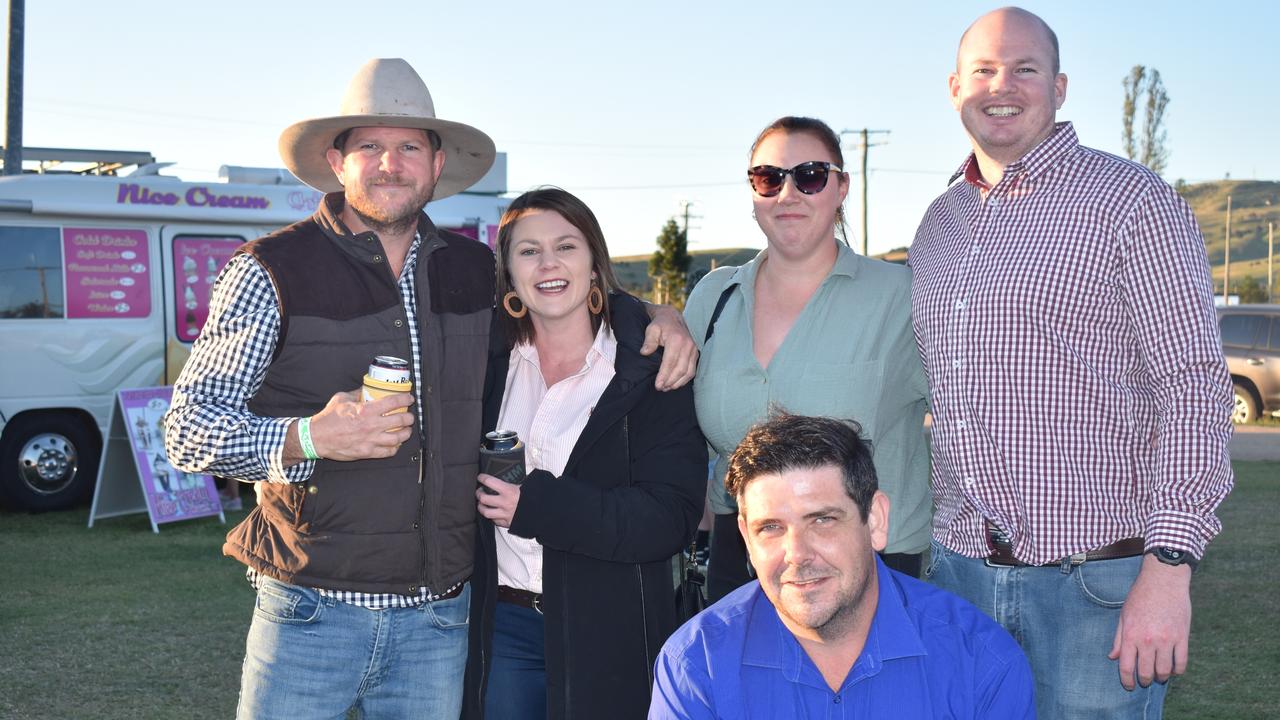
(810, 177)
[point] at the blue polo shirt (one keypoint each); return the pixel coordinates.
(929, 654)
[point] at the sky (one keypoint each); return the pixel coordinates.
(639, 107)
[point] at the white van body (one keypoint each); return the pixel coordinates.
(104, 284)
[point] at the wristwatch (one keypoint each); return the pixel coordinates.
(1173, 556)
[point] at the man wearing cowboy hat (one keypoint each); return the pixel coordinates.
(361, 544)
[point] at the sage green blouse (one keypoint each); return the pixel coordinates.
(850, 354)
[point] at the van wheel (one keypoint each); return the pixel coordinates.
(47, 462)
(1246, 406)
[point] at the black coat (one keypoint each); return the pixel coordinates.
(630, 498)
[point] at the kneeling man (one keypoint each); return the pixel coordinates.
(829, 631)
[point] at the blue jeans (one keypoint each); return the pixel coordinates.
(517, 688)
(1065, 620)
(314, 657)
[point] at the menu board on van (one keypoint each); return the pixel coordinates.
(107, 272)
(197, 261)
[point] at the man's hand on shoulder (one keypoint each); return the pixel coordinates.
(348, 429)
(679, 352)
(1155, 625)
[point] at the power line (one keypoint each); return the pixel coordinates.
(683, 186)
(625, 146)
(133, 111)
(667, 186)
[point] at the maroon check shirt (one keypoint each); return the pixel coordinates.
(1067, 327)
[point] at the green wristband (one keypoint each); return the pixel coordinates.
(304, 439)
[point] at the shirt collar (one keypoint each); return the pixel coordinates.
(604, 347)
(892, 635)
(848, 263)
(411, 257)
(1040, 158)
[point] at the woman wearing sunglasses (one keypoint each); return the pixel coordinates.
(811, 327)
(572, 593)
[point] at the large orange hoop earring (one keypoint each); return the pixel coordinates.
(595, 300)
(506, 303)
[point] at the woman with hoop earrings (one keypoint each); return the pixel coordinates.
(572, 592)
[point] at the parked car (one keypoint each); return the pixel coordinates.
(1251, 342)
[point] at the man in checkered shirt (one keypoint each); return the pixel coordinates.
(361, 544)
(1063, 308)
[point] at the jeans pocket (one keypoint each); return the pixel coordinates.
(288, 604)
(936, 555)
(1106, 583)
(451, 613)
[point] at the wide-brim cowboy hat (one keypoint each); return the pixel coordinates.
(386, 93)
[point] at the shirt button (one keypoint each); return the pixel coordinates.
(959, 304)
(377, 258)
(955, 363)
(836, 699)
(399, 322)
(414, 458)
(413, 589)
(968, 482)
(428, 389)
(960, 424)
(313, 490)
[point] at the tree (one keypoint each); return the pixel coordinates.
(1250, 290)
(669, 265)
(1148, 144)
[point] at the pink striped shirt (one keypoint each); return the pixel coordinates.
(1066, 322)
(549, 421)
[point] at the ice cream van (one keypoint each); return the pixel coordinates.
(105, 270)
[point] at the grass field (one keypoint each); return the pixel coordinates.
(115, 622)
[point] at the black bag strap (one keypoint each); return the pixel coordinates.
(715, 314)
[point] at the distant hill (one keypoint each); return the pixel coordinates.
(1254, 203)
(633, 270)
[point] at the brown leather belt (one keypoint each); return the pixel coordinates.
(523, 598)
(1002, 552)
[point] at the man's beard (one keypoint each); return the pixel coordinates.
(388, 220)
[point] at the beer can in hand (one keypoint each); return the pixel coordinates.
(386, 375)
(502, 456)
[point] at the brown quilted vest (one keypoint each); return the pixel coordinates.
(372, 525)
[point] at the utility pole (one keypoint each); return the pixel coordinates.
(863, 145)
(684, 211)
(13, 108)
(1226, 260)
(684, 281)
(1271, 254)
